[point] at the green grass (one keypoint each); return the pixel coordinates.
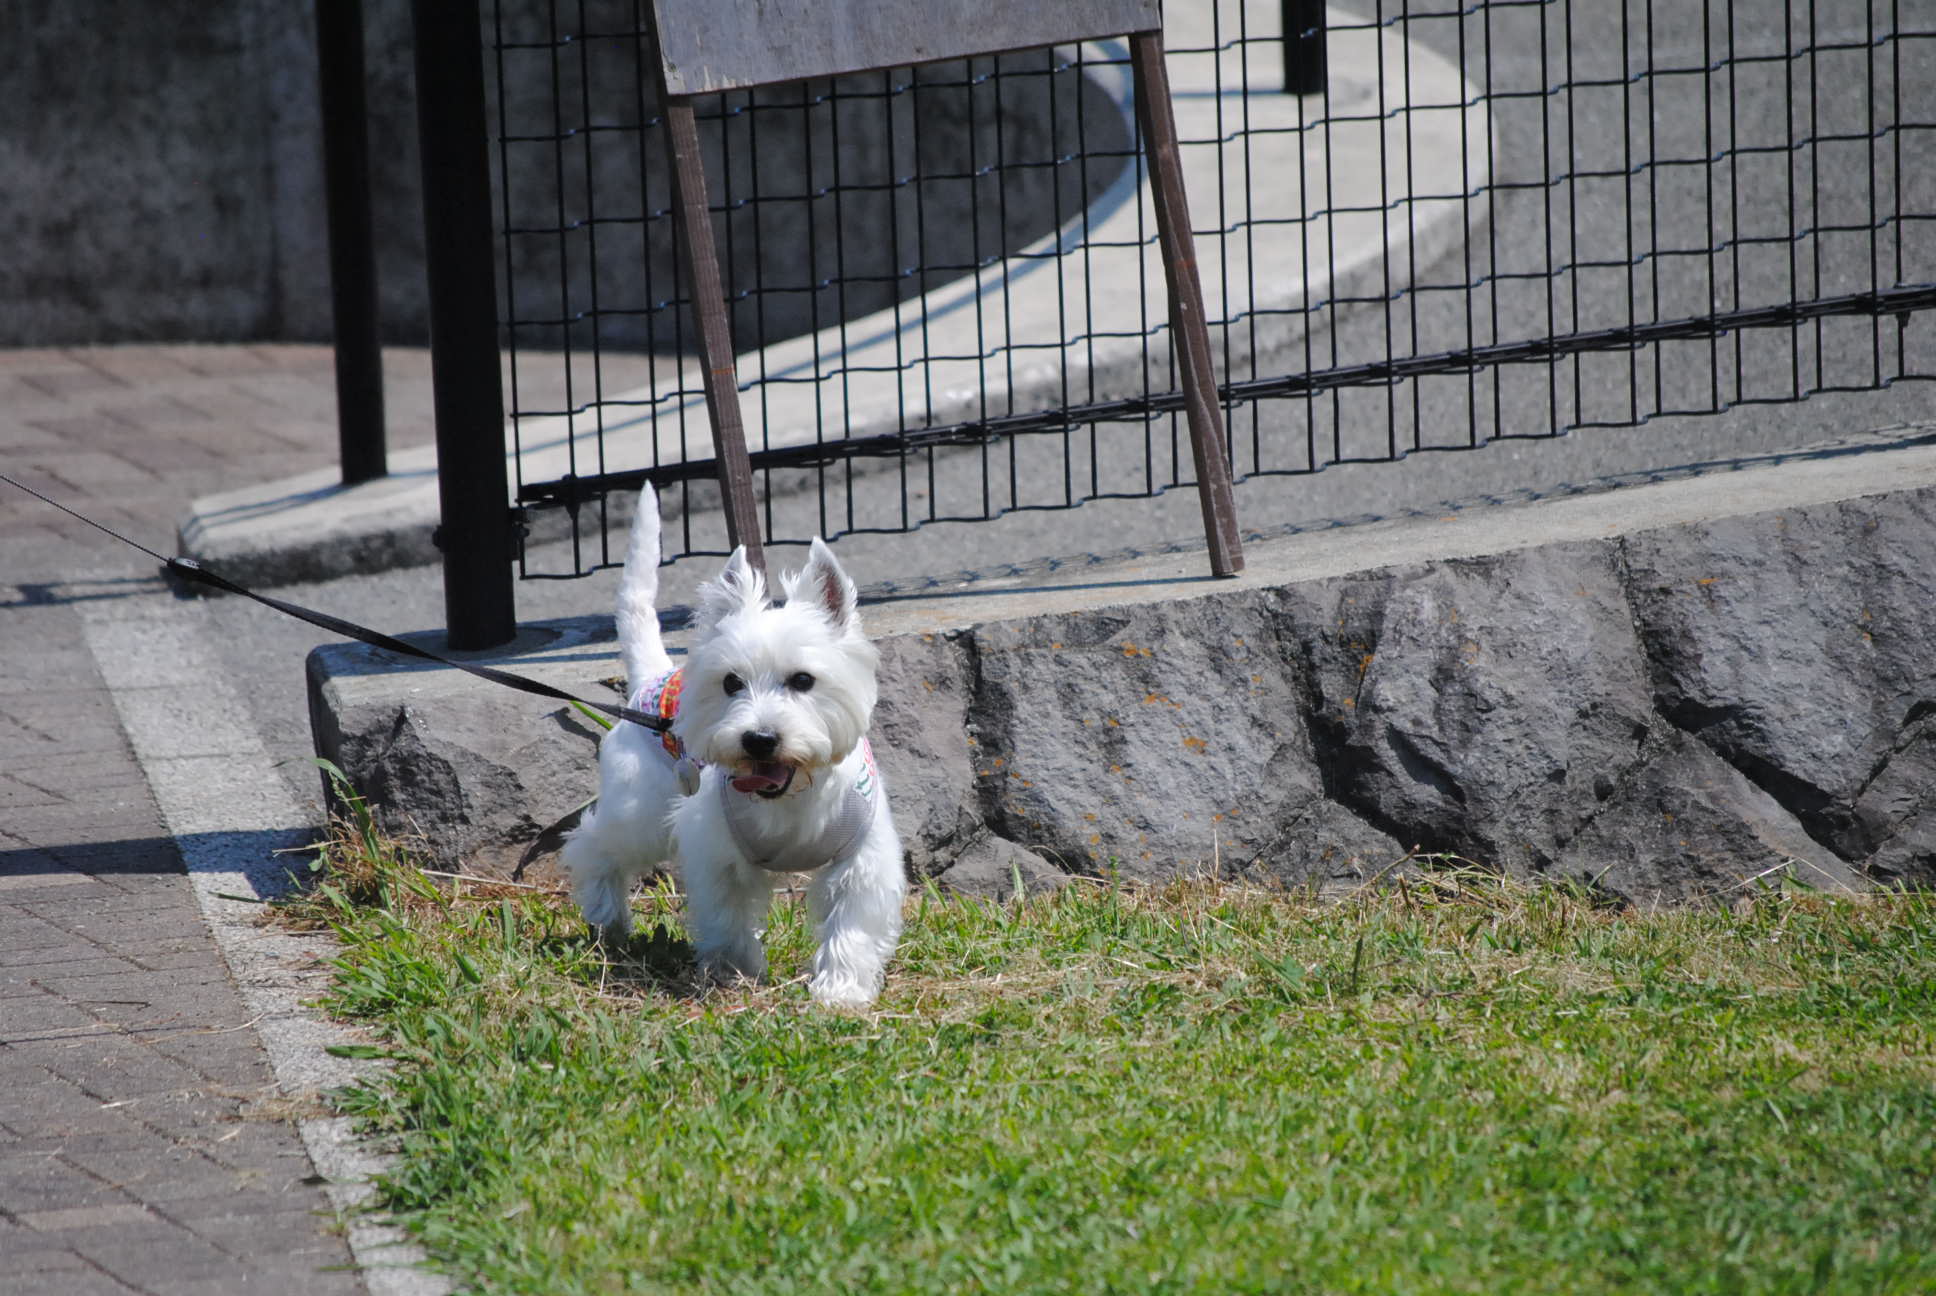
(1467, 1086)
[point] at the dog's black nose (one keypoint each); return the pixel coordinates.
(759, 744)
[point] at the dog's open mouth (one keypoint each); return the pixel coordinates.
(763, 778)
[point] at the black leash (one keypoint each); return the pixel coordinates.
(190, 570)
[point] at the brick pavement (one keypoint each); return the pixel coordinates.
(143, 1144)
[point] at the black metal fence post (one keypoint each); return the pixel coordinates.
(1304, 61)
(472, 481)
(352, 250)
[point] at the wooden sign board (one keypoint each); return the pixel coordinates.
(710, 45)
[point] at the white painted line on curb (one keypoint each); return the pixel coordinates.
(230, 813)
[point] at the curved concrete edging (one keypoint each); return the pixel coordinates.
(1435, 142)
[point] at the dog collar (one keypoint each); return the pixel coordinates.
(842, 833)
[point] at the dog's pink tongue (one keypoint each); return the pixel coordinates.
(761, 776)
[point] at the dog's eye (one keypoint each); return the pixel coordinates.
(800, 682)
(733, 684)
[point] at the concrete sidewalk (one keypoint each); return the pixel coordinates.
(146, 1142)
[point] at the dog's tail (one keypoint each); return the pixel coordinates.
(638, 597)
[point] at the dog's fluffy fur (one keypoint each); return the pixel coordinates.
(775, 709)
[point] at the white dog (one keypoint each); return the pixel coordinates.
(765, 770)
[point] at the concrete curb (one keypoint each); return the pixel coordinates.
(230, 813)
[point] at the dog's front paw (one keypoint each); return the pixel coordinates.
(832, 990)
(606, 902)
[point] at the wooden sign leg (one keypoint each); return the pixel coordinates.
(1188, 329)
(708, 296)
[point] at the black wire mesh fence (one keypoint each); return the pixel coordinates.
(1500, 220)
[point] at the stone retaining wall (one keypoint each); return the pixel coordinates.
(1661, 715)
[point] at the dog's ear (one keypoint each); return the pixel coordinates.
(737, 588)
(826, 586)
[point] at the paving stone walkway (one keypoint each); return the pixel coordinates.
(144, 1146)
